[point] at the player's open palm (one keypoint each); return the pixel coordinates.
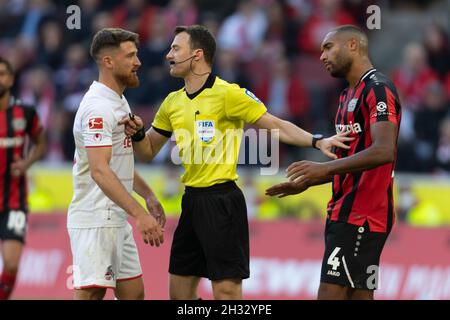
(151, 231)
(156, 210)
(326, 145)
(132, 124)
(286, 189)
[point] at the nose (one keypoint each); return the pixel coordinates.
(323, 57)
(169, 55)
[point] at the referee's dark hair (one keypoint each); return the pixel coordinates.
(7, 65)
(201, 38)
(108, 38)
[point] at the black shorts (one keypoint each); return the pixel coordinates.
(211, 239)
(352, 255)
(13, 225)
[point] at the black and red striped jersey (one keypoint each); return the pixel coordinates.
(368, 195)
(17, 124)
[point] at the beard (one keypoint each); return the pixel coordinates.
(341, 68)
(129, 80)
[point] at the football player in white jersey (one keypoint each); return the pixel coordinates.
(103, 248)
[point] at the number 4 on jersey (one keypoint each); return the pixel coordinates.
(333, 260)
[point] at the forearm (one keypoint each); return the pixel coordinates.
(293, 135)
(367, 159)
(141, 188)
(143, 149)
(36, 152)
(111, 186)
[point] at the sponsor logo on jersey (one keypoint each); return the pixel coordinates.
(95, 124)
(19, 124)
(11, 142)
(381, 106)
(251, 95)
(352, 127)
(352, 105)
(98, 137)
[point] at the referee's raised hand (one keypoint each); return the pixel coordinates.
(132, 124)
(150, 229)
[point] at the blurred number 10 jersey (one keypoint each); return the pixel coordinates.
(368, 195)
(17, 124)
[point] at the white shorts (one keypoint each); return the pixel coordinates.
(102, 256)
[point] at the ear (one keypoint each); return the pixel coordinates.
(107, 61)
(198, 54)
(353, 45)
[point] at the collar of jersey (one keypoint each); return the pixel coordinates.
(106, 91)
(366, 74)
(208, 84)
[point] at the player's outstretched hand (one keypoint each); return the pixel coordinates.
(286, 189)
(311, 173)
(327, 144)
(19, 166)
(156, 210)
(151, 231)
(132, 124)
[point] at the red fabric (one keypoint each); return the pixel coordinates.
(412, 88)
(297, 96)
(7, 282)
(316, 27)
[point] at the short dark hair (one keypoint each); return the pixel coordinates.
(201, 38)
(111, 38)
(7, 64)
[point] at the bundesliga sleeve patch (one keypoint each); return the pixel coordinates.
(251, 95)
(95, 124)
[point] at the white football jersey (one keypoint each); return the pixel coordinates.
(96, 126)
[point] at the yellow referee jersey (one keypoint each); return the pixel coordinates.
(208, 127)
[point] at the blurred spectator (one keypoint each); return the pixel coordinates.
(284, 93)
(326, 15)
(50, 46)
(438, 50)
(413, 77)
(244, 30)
(36, 12)
(443, 149)
(228, 68)
(134, 15)
(426, 125)
(101, 20)
(181, 12)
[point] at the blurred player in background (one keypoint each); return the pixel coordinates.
(18, 123)
(211, 239)
(361, 211)
(104, 251)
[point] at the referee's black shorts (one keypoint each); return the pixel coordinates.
(211, 239)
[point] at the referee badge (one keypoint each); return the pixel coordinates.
(205, 126)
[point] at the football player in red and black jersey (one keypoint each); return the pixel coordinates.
(18, 124)
(360, 214)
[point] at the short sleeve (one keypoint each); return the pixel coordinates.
(242, 104)
(382, 104)
(97, 127)
(34, 125)
(162, 119)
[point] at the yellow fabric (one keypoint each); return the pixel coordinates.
(208, 129)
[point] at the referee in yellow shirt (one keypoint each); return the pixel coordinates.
(211, 239)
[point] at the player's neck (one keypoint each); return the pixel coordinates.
(357, 71)
(111, 83)
(4, 101)
(193, 83)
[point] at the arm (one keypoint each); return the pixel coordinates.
(20, 166)
(382, 151)
(291, 134)
(153, 204)
(147, 148)
(108, 182)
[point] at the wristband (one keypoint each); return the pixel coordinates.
(139, 135)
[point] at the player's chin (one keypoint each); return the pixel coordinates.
(133, 82)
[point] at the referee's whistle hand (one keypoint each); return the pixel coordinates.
(326, 145)
(131, 126)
